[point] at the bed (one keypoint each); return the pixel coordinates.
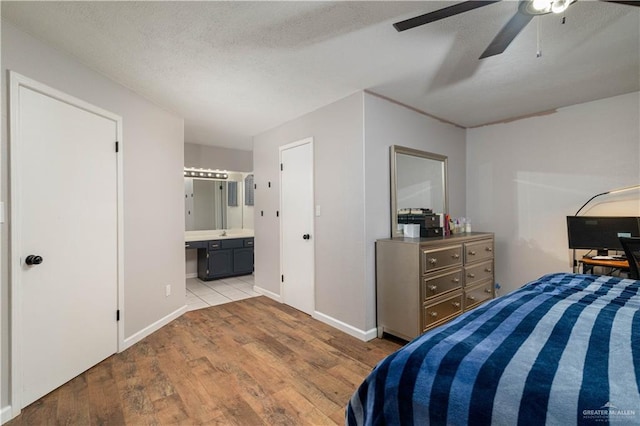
(561, 350)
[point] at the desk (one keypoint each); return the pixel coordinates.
(588, 264)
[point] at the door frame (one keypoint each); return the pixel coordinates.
(295, 144)
(16, 81)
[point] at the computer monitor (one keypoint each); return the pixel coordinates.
(601, 232)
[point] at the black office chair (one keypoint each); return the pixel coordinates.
(631, 246)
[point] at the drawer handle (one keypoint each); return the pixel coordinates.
(470, 275)
(487, 269)
(489, 249)
(455, 256)
(487, 290)
(433, 261)
(472, 298)
(472, 253)
(456, 304)
(432, 287)
(433, 314)
(456, 280)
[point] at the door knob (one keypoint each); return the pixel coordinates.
(33, 260)
(306, 237)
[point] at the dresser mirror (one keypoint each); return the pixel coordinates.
(418, 181)
(212, 204)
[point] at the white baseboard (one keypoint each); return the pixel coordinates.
(268, 293)
(130, 341)
(193, 275)
(365, 336)
(6, 414)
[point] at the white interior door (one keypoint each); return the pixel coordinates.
(296, 224)
(65, 206)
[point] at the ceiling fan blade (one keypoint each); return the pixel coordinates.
(441, 14)
(507, 34)
(628, 3)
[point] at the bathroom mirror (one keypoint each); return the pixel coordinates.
(418, 181)
(212, 204)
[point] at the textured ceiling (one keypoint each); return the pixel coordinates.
(235, 69)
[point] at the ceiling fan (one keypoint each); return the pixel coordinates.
(527, 9)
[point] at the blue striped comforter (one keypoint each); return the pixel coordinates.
(562, 350)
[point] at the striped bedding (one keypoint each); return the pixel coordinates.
(562, 350)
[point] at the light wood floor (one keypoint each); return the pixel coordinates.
(249, 362)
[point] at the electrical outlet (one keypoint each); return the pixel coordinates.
(167, 290)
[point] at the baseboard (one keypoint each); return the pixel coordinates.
(5, 414)
(193, 275)
(365, 336)
(267, 293)
(130, 341)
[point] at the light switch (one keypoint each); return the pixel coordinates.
(318, 210)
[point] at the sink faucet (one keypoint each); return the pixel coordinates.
(224, 233)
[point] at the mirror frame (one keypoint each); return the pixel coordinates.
(397, 149)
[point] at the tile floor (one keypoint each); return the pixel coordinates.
(202, 294)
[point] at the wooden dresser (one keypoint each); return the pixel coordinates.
(425, 282)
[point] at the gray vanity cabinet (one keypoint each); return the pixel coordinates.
(243, 260)
(220, 264)
(225, 258)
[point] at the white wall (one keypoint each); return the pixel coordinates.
(214, 157)
(153, 219)
(526, 176)
(337, 130)
(389, 124)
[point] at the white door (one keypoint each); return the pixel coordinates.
(66, 193)
(296, 225)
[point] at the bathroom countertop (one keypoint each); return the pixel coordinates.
(190, 236)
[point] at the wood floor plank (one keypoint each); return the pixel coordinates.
(301, 408)
(73, 403)
(105, 405)
(200, 407)
(250, 362)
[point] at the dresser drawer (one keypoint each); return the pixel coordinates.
(441, 311)
(478, 272)
(478, 294)
(446, 257)
(436, 285)
(477, 251)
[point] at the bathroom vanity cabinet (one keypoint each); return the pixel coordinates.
(222, 258)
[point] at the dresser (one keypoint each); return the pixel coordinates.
(422, 283)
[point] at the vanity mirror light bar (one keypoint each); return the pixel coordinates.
(205, 173)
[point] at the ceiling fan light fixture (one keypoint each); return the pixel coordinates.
(559, 6)
(541, 6)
